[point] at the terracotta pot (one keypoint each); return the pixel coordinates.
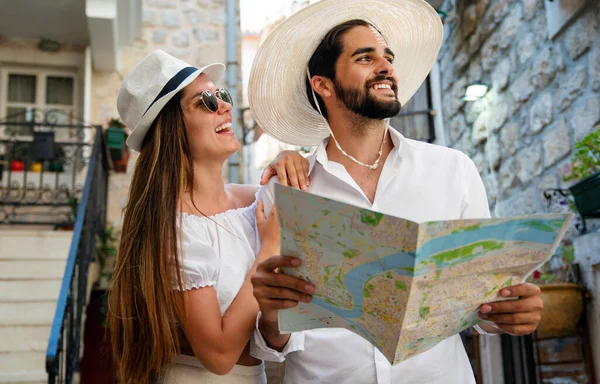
(120, 166)
(563, 306)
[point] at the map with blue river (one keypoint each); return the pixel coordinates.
(404, 286)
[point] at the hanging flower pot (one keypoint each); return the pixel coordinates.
(115, 140)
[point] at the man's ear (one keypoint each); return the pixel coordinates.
(322, 86)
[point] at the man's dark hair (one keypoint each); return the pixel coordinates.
(322, 62)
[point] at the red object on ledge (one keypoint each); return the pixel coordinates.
(17, 165)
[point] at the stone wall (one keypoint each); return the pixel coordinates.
(191, 30)
(544, 95)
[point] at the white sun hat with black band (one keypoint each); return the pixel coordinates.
(277, 91)
(150, 85)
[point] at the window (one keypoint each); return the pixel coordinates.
(421, 118)
(415, 120)
(26, 90)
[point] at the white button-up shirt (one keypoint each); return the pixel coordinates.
(419, 182)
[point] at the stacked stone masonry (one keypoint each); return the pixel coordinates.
(544, 95)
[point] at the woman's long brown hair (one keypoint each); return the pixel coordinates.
(146, 312)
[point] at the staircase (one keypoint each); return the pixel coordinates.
(32, 263)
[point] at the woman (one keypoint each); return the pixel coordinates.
(182, 308)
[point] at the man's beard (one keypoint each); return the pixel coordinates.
(365, 104)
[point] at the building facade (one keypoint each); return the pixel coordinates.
(62, 63)
(541, 62)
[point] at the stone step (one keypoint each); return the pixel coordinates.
(18, 365)
(21, 291)
(25, 378)
(34, 244)
(23, 367)
(30, 313)
(32, 269)
(24, 339)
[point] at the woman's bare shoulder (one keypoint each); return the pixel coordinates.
(245, 194)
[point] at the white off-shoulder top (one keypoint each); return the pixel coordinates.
(219, 251)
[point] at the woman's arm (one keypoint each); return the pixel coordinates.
(218, 341)
(291, 169)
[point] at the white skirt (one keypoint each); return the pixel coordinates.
(188, 370)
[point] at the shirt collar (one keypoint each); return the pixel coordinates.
(403, 146)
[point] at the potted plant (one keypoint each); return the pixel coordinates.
(106, 246)
(561, 294)
(115, 139)
(71, 216)
(106, 251)
(586, 169)
(57, 164)
(37, 167)
(19, 157)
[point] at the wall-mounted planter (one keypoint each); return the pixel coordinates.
(587, 194)
(115, 140)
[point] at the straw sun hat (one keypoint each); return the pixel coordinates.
(277, 92)
(150, 86)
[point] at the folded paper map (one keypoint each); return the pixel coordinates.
(401, 285)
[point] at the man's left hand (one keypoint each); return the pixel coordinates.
(519, 316)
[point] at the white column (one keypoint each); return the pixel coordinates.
(490, 351)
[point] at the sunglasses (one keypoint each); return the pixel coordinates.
(209, 99)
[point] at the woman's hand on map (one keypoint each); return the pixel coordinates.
(268, 231)
(291, 169)
(275, 291)
(519, 316)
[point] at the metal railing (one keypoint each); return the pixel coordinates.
(63, 353)
(43, 161)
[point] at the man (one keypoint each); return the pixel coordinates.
(359, 73)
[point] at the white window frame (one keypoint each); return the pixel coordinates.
(40, 98)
